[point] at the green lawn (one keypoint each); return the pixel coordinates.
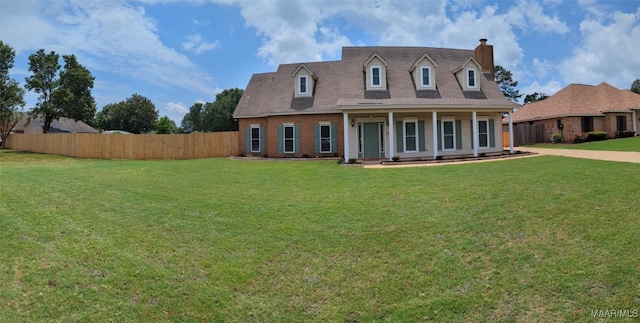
(536, 239)
(622, 144)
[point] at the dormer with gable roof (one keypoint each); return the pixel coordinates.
(375, 69)
(423, 73)
(304, 81)
(468, 75)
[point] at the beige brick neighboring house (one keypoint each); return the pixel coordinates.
(579, 108)
(376, 102)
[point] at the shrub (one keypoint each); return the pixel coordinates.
(439, 157)
(305, 155)
(243, 155)
(352, 160)
(395, 158)
(265, 156)
(595, 136)
(482, 154)
(556, 138)
(624, 134)
(578, 139)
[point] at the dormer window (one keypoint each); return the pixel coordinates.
(304, 80)
(425, 76)
(471, 78)
(375, 76)
(302, 84)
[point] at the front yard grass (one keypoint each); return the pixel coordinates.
(621, 144)
(536, 239)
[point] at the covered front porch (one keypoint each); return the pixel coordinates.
(423, 133)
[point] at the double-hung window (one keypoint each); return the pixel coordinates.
(621, 123)
(255, 139)
(410, 136)
(483, 133)
(471, 78)
(325, 138)
(376, 77)
(448, 134)
(425, 76)
(288, 138)
(302, 84)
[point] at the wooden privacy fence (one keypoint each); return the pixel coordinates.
(119, 146)
(525, 134)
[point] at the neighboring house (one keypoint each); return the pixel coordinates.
(579, 108)
(377, 102)
(33, 125)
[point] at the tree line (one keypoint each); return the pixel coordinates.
(65, 91)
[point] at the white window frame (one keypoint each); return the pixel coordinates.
(404, 135)
(320, 137)
(306, 84)
(453, 123)
(373, 67)
(483, 119)
(428, 68)
(475, 78)
(252, 138)
(284, 138)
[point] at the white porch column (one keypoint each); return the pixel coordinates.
(635, 121)
(475, 134)
(392, 150)
(511, 132)
(345, 126)
(434, 116)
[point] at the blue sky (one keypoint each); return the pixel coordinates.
(177, 53)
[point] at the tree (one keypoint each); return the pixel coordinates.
(73, 95)
(505, 81)
(11, 94)
(136, 114)
(66, 95)
(214, 116)
(534, 97)
(635, 86)
(165, 125)
(44, 82)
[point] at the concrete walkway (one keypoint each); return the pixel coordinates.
(618, 156)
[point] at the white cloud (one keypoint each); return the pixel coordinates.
(549, 89)
(112, 36)
(542, 67)
(529, 14)
(201, 22)
(176, 107)
(196, 44)
(608, 51)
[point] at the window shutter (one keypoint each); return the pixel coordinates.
(262, 139)
(280, 148)
(399, 137)
(296, 130)
(334, 138)
(439, 135)
(492, 137)
(247, 139)
(471, 123)
(458, 135)
(316, 138)
(421, 135)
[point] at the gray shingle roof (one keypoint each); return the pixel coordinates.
(340, 84)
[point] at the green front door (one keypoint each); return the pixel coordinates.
(371, 138)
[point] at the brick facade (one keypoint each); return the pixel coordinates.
(306, 124)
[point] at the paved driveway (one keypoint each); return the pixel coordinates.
(619, 156)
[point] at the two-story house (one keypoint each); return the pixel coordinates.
(377, 102)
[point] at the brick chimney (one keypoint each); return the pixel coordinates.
(484, 55)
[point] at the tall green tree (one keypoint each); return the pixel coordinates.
(214, 116)
(534, 97)
(507, 85)
(136, 114)
(44, 82)
(65, 95)
(165, 126)
(73, 95)
(11, 94)
(635, 86)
